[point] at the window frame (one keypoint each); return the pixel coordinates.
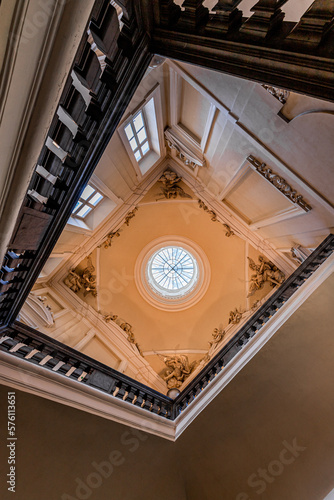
(131, 122)
(86, 203)
(155, 133)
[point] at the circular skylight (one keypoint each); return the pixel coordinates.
(172, 272)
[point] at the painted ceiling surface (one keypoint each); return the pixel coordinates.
(247, 192)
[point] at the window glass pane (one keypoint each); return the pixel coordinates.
(138, 122)
(84, 211)
(142, 135)
(96, 198)
(133, 144)
(129, 131)
(137, 155)
(88, 191)
(78, 205)
(145, 148)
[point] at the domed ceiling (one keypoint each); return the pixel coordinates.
(228, 182)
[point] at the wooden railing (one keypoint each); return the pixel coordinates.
(262, 47)
(107, 69)
(37, 348)
(254, 324)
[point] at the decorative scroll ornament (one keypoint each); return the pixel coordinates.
(84, 280)
(213, 216)
(265, 271)
(183, 152)
(107, 242)
(279, 183)
(130, 216)
(235, 316)
(115, 234)
(217, 336)
(280, 94)
(127, 328)
(178, 369)
(170, 189)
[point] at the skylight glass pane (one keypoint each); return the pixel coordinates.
(138, 122)
(142, 135)
(133, 144)
(84, 211)
(77, 206)
(145, 148)
(129, 131)
(96, 198)
(88, 191)
(137, 155)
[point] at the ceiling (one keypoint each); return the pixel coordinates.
(222, 120)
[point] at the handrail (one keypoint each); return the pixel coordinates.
(35, 347)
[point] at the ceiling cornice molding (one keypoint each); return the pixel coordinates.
(111, 334)
(225, 215)
(262, 148)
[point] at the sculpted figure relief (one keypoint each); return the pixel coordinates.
(85, 280)
(265, 271)
(170, 189)
(178, 369)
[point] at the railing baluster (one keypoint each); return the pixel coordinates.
(267, 17)
(227, 18)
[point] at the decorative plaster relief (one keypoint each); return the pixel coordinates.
(130, 216)
(213, 215)
(85, 279)
(183, 152)
(265, 271)
(169, 188)
(178, 369)
(279, 183)
(235, 316)
(217, 336)
(107, 242)
(280, 94)
(127, 328)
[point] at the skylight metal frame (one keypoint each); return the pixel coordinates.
(135, 132)
(87, 203)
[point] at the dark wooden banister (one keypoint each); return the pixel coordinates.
(93, 373)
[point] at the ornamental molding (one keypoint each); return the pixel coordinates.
(177, 370)
(170, 189)
(115, 234)
(184, 153)
(280, 94)
(83, 280)
(265, 271)
(130, 216)
(279, 183)
(214, 218)
(127, 328)
(36, 312)
(160, 301)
